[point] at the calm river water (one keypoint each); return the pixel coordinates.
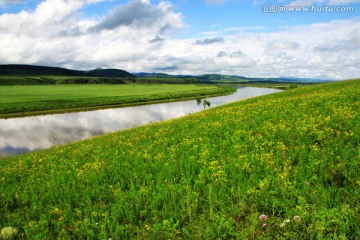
(20, 135)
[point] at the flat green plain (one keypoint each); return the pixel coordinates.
(55, 92)
(30, 100)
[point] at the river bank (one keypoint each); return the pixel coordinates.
(19, 101)
(19, 135)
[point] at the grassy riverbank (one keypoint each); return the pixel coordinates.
(281, 86)
(293, 156)
(40, 99)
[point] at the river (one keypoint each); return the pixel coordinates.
(20, 135)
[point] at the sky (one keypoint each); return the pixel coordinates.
(253, 38)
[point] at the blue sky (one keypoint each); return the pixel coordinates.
(204, 17)
(264, 38)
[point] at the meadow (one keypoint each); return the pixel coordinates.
(57, 80)
(30, 100)
(281, 166)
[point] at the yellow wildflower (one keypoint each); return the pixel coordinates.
(8, 232)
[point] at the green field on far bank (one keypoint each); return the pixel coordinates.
(58, 80)
(28, 100)
(283, 166)
(281, 86)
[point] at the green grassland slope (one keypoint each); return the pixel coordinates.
(282, 166)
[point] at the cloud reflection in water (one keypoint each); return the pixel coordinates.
(18, 135)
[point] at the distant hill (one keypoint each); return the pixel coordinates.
(305, 80)
(32, 70)
(116, 73)
(147, 78)
(19, 74)
(219, 78)
(160, 75)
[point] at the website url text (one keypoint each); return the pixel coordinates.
(278, 8)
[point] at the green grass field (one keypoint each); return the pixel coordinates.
(281, 86)
(58, 80)
(281, 166)
(60, 98)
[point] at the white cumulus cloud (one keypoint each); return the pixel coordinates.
(138, 36)
(55, 33)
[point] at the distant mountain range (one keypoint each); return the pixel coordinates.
(43, 71)
(160, 75)
(219, 78)
(31, 70)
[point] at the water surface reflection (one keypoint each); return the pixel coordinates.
(19, 135)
